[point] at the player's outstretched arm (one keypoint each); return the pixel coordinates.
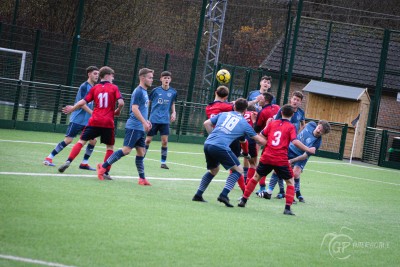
(299, 158)
(78, 105)
(300, 145)
(208, 125)
(260, 140)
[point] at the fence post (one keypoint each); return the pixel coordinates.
(383, 148)
(343, 141)
(178, 129)
(247, 83)
(166, 61)
(107, 54)
(231, 83)
(328, 40)
(56, 104)
(136, 69)
(16, 101)
(293, 53)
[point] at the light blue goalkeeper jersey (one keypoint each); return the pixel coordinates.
(80, 116)
(141, 98)
(161, 102)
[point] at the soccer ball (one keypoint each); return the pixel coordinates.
(223, 76)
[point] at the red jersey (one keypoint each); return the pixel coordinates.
(105, 96)
(217, 107)
(267, 112)
(247, 116)
(279, 134)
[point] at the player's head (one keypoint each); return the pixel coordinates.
(93, 74)
(265, 83)
(107, 74)
(241, 105)
(165, 79)
(266, 100)
(322, 128)
(296, 99)
(146, 77)
(287, 111)
(222, 92)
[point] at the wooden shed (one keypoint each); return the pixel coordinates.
(340, 103)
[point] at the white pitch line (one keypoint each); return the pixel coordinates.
(33, 261)
(354, 165)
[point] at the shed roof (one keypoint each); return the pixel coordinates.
(353, 56)
(335, 90)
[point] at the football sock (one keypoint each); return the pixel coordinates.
(251, 184)
(281, 186)
(241, 183)
(75, 151)
(60, 146)
(230, 182)
(88, 153)
(245, 170)
(297, 186)
(205, 181)
(262, 181)
(109, 152)
(140, 166)
(164, 152)
(113, 158)
(250, 173)
(245, 147)
(289, 196)
(272, 182)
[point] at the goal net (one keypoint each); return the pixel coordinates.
(15, 64)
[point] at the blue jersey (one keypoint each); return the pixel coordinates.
(80, 116)
(229, 126)
(161, 102)
(253, 95)
(307, 137)
(140, 98)
(297, 117)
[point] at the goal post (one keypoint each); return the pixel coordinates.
(15, 64)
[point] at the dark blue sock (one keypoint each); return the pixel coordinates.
(89, 151)
(230, 183)
(60, 146)
(140, 166)
(205, 181)
(113, 158)
(164, 152)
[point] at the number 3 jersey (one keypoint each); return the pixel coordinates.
(279, 134)
(105, 96)
(228, 127)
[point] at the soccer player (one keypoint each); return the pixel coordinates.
(254, 96)
(162, 101)
(77, 121)
(135, 129)
(228, 127)
(311, 136)
(279, 133)
(105, 96)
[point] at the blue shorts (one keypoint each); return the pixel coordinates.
(216, 155)
(134, 138)
(283, 172)
(74, 129)
(163, 128)
(107, 135)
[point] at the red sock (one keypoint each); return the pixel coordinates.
(250, 174)
(75, 151)
(109, 152)
(251, 184)
(262, 181)
(245, 147)
(241, 183)
(289, 195)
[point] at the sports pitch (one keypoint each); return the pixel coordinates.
(351, 216)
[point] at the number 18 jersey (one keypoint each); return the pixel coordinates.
(279, 134)
(105, 96)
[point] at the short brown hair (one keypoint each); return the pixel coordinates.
(298, 94)
(144, 71)
(105, 71)
(241, 105)
(166, 73)
(326, 127)
(287, 110)
(269, 78)
(222, 91)
(91, 68)
(268, 97)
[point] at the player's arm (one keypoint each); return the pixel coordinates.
(173, 112)
(300, 145)
(138, 115)
(260, 140)
(208, 126)
(78, 105)
(255, 101)
(121, 104)
(87, 109)
(299, 158)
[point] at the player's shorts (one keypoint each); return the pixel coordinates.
(301, 163)
(283, 172)
(163, 128)
(235, 146)
(134, 138)
(74, 129)
(107, 135)
(216, 155)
